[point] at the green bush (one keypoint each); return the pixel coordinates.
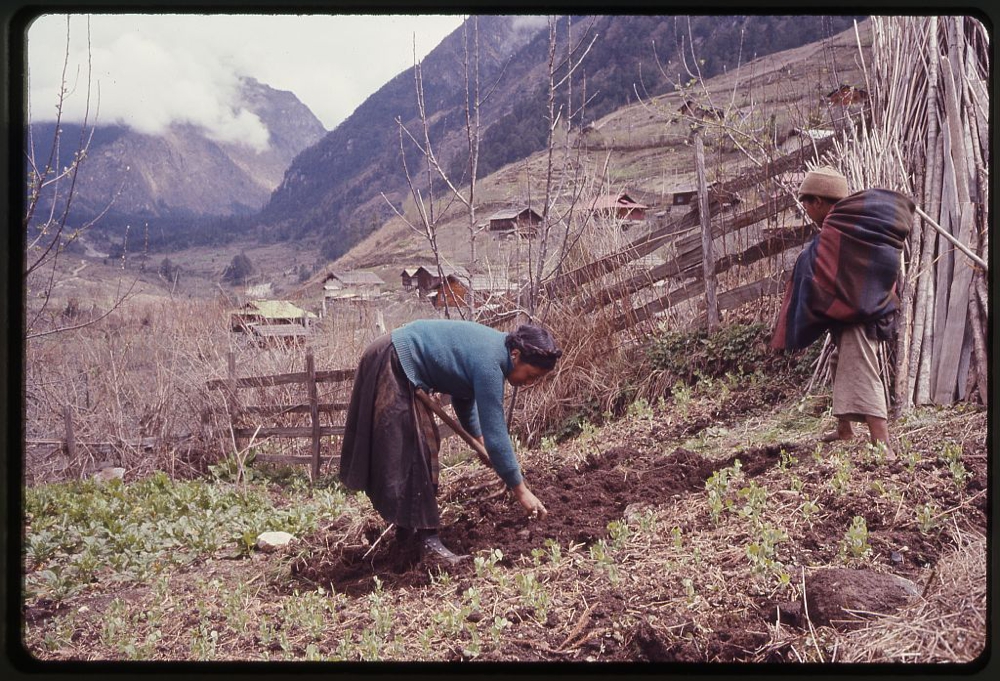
(736, 350)
(239, 270)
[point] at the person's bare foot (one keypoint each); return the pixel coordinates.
(835, 436)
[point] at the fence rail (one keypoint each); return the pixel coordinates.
(314, 431)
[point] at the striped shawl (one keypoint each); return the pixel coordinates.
(847, 274)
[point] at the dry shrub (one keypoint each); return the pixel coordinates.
(133, 384)
(597, 373)
(136, 385)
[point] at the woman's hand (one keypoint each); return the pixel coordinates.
(529, 501)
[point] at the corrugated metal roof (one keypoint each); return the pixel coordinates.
(485, 282)
(615, 201)
(511, 213)
(357, 278)
(457, 270)
(277, 309)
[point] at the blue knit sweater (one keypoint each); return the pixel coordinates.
(468, 361)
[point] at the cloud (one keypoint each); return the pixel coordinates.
(531, 24)
(146, 78)
(150, 71)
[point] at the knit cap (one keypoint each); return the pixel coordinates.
(824, 182)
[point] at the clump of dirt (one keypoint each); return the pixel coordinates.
(755, 460)
(581, 500)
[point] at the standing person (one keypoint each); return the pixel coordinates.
(391, 441)
(844, 281)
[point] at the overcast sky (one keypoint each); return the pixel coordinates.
(151, 70)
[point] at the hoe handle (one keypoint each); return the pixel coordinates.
(436, 407)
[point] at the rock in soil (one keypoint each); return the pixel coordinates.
(831, 593)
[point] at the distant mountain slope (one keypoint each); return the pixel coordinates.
(333, 190)
(644, 148)
(182, 172)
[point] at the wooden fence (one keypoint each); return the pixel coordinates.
(242, 416)
(70, 445)
(688, 234)
(941, 352)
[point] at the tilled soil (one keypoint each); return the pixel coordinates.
(581, 500)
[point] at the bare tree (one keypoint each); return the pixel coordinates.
(562, 178)
(425, 206)
(427, 211)
(51, 190)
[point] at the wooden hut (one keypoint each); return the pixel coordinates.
(270, 313)
(363, 285)
(846, 95)
(515, 221)
(452, 290)
(408, 277)
(619, 206)
(427, 277)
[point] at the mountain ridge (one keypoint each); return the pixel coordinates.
(182, 172)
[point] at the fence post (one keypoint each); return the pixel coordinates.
(232, 398)
(707, 257)
(70, 437)
(313, 411)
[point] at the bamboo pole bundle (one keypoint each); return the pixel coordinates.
(962, 69)
(924, 135)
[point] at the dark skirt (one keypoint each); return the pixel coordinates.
(391, 441)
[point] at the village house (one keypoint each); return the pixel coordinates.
(452, 291)
(350, 286)
(426, 276)
(408, 277)
(275, 334)
(801, 137)
(522, 222)
(687, 196)
(272, 312)
(486, 288)
(363, 285)
(846, 95)
(618, 206)
(272, 319)
(475, 289)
